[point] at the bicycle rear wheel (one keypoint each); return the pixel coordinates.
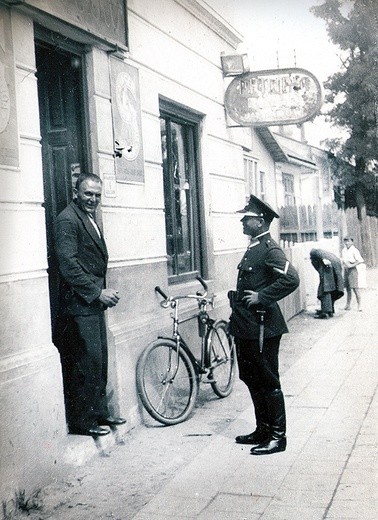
(168, 395)
(221, 355)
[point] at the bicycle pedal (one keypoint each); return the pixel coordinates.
(209, 380)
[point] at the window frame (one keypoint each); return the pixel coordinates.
(288, 178)
(190, 122)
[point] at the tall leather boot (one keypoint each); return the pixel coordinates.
(277, 439)
(261, 434)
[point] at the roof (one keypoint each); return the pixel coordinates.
(272, 144)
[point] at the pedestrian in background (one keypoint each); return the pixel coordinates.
(354, 272)
(257, 324)
(82, 258)
(331, 282)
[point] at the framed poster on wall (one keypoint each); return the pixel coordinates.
(127, 123)
(9, 155)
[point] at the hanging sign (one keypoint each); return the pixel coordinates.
(273, 97)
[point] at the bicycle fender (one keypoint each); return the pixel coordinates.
(185, 347)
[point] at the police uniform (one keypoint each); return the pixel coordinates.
(258, 329)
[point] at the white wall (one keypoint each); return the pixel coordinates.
(31, 395)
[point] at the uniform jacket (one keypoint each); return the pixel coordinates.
(264, 269)
(82, 258)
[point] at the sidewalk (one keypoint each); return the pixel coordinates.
(196, 470)
(329, 470)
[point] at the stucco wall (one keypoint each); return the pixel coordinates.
(33, 425)
(177, 53)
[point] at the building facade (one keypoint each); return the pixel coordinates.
(132, 91)
(305, 188)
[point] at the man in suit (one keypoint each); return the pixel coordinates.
(265, 276)
(331, 283)
(82, 259)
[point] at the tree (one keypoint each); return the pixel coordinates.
(353, 93)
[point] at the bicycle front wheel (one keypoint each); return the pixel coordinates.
(221, 355)
(167, 384)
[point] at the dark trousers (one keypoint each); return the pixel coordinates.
(327, 303)
(84, 356)
(259, 371)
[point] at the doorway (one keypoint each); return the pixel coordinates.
(60, 93)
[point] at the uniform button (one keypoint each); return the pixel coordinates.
(249, 268)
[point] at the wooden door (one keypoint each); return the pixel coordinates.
(61, 118)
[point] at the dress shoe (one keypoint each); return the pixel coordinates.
(255, 438)
(272, 446)
(112, 421)
(321, 316)
(94, 431)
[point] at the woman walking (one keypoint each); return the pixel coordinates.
(354, 272)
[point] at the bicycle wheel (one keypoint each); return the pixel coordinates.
(221, 355)
(168, 395)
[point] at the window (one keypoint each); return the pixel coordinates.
(288, 183)
(179, 144)
(250, 176)
(255, 181)
(262, 185)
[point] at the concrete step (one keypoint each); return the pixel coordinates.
(81, 448)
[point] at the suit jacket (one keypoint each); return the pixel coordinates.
(264, 269)
(82, 259)
(330, 276)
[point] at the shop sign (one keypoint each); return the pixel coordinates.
(106, 20)
(273, 97)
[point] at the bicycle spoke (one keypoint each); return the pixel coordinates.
(167, 390)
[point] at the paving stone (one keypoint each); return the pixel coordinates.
(277, 512)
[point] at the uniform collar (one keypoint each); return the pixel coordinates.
(256, 240)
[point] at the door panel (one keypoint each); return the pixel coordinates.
(60, 104)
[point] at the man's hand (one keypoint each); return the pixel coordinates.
(251, 298)
(109, 297)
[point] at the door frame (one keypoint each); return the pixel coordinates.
(42, 36)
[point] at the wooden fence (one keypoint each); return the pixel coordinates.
(364, 234)
(299, 223)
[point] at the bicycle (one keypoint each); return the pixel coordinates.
(168, 373)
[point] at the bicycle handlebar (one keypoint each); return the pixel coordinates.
(167, 300)
(162, 293)
(204, 285)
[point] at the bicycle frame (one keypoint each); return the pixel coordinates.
(181, 343)
(201, 315)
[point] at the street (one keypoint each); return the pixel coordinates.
(195, 470)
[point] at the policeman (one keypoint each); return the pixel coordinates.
(265, 277)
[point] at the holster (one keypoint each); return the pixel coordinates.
(232, 297)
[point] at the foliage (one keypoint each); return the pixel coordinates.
(22, 505)
(353, 95)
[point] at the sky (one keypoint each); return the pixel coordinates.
(284, 33)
